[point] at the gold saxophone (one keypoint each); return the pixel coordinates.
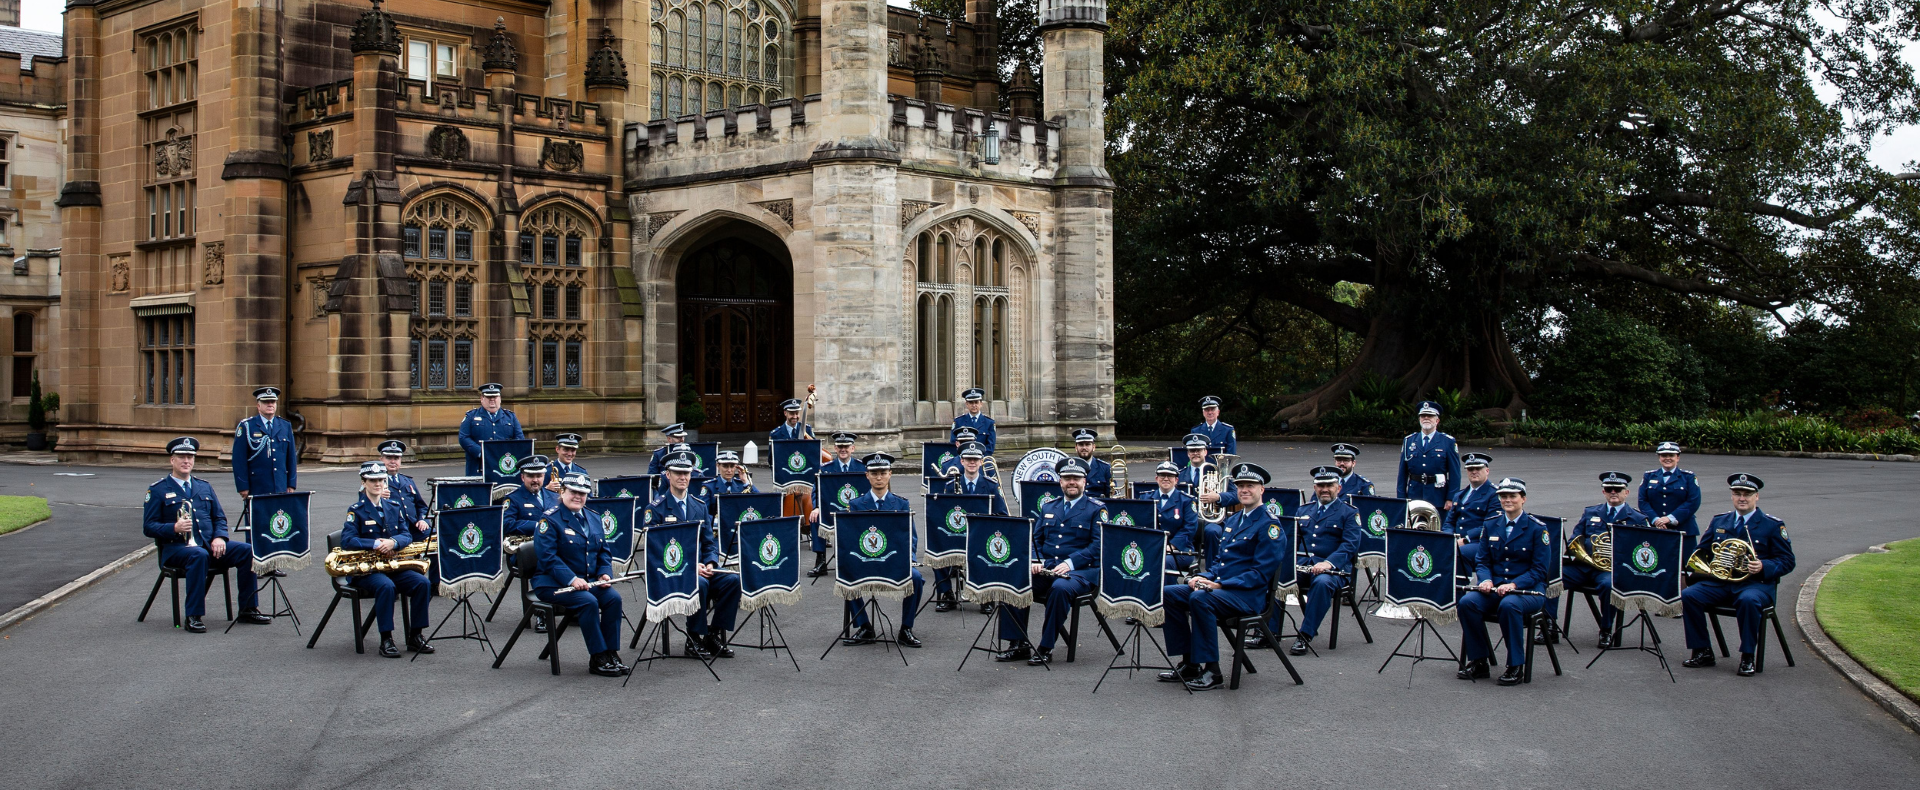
(1725, 560)
(416, 556)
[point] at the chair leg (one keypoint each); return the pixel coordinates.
(1333, 634)
(1108, 630)
(1785, 652)
(502, 595)
(1073, 633)
(526, 619)
(1239, 658)
(226, 586)
(176, 601)
(1553, 655)
(553, 644)
(1718, 636)
(323, 621)
(1592, 608)
(1359, 618)
(157, 581)
(359, 629)
(1526, 672)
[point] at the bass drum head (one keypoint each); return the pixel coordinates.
(1037, 466)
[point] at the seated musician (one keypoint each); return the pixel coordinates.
(1329, 540)
(961, 438)
(732, 479)
(1773, 559)
(1515, 562)
(719, 592)
(1196, 445)
(1066, 555)
(1474, 504)
(566, 447)
(402, 489)
(1254, 545)
(676, 434)
(1099, 473)
(1352, 484)
(531, 499)
(843, 462)
(184, 517)
(573, 553)
(882, 499)
(376, 523)
(970, 481)
(1177, 516)
(1597, 520)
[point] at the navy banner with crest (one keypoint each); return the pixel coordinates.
(937, 457)
(1420, 569)
(875, 554)
(500, 459)
(1287, 498)
(770, 564)
(1000, 560)
(1131, 562)
(1646, 568)
(628, 487)
(705, 459)
(947, 526)
(673, 576)
(1556, 575)
(1143, 488)
(617, 517)
(1377, 515)
(837, 491)
(280, 537)
(1035, 494)
(469, 558)
(1132, 512)
(794, 461)
(453, 492)
(735, 508)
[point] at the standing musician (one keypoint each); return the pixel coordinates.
(1196, 456)
(1066, 556)
(1220, 436)
(264, 461)
(1474, 504)
(1099, 473)
(1329, 540)
(376, 523)
(881, 499)
(402, 489)
(1177, 515)
(843, 462)
(980, 424)
(1671, 496)
(1429, 461)
(572, 549)
(184, 517)
(969, 481)
(1351, 483)
(1598, 520)
(676, 434)
(1254, 545)
(486, 424)
(793, 428)
(1772, 560)
(1515, 561)
(566, 447)
(719, 592)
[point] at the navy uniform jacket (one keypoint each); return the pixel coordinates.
(569, 544)
(402, 489)
(1067, 531)
(1472, 508)
(836, 467)
(1190, 476)
(1594, 521)
(524, 509)
(1523, 558)
(718, 486)
(263, 458)
(982, 425)
(1675, 494)
(479, 426)
(658, 463)
(893, 503)
(983, 485)
(796, 431)
(666, 510)
(368, 522)
(1768, 536)
(1439, 456)
(1178, 515)
(164, 498)
(1354, 485)
(1220, 438)
(1331, 533)
(1253, 544)
(556, 470)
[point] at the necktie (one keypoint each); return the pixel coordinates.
(1611, 514)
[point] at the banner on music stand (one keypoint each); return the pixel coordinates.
(795, 462)
(279, 527)
(1142, 488)
(999, 560)
(453, 492)
(1421, 566)
(938, 459)
(628, 487)
(875, 551)
(469, 556)
(1133, 512)
(500, 459)
(1132, 559)
(672, 562)
(770, 566)
(1556, 573)
(616, 515)
(836, 494)
(1646, 569)
(1282, 501)
(947, 526)
(705, 458)
(1377, 515)
(1287, 582)
(1035, 494)
(735, 508)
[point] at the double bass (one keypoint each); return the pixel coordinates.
(799, 496)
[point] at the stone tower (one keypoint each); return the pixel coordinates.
(1074, 37)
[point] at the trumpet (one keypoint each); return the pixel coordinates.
(1118, 480)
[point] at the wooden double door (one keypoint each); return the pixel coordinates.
(736, 335)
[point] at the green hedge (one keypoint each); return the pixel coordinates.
(1748, 432)
(1395, 425)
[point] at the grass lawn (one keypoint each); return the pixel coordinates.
(19, 511)
(1871, 605)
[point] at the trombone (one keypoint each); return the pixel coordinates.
(1117, 481)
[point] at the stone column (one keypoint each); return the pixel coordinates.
(252, 252)
(616, 352)
(1074, 37)
(985, 18)
(856, 321)
(369, 301)
(83, 278)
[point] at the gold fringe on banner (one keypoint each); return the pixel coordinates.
(1646, 603)
(1130, 609)
(467, 587)
(673, 607)
(1372, 562)
(770, 597)
(283, 563)
(1000, 595)
(1555, 589)
(1433, 615)
(886, 591)
(956, 560)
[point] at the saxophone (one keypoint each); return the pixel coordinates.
(417, 556)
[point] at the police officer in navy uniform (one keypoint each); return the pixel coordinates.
(719, 592)
(486, 424)
(1474, 504)
(971, 480)
(1599, 520)
(1196, 444)
(376, 523)
(1329, 540)
(732, 480)
(184, 517)
(881, 499)
(1515, 561)
(573, 556)
(1254, 545)
(676, 434)
(1175, 512)
(1220, 436)
(1670, 496)
(843, 462)
(793, 428)
(951, 468)
(1099, 473)
(264, 461)
(1750, 596)
(1352, 484)
(403, 490)
(1429, 461)
(975, 420)
(566, 447)
(531, 499)
(1066, 555)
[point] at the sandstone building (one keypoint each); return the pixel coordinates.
(379, 207)
(33, 146)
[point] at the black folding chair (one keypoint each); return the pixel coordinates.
(524, 563)
(1346, 596)
(1236, 630)
(343, 589)
(177, 575)
(1536, 622)
(1590, 594)
(1070, 628)
(1760, 647)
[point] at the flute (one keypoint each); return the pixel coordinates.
(1514, 591)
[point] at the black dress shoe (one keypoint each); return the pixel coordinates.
(696, 648)
(907, 639)
(986, 608)
(194, 626)
(718, 647)
(1208, 679)
(945, 605)
(388, 649)
(1607, 641)
(603, 666)
(1299, 647)
(417, 642)
(1700, 658)
(1041, 657)
(861, 636)
(1513, 675)
(1018, 651)
(1252, 642)
(1747, 668)
(1474, 670)
(539, 623)
(819, 568)
(254, 617)
(1181, 674)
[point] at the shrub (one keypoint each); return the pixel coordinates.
(36, 408)
(690, 410)
(1737, 432)
(1614, 368)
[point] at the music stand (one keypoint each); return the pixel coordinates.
(1133, 638)
(1646, 629)
(882, 627)
(665, 628)
(1421, 626)
(278, 602)
(994, 645)
(771, 637)
(472, 626)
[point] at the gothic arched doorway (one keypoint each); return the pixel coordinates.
(736, 333)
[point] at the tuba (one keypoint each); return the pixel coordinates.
(1725, 560)
(1118, 480)
(417, 556)
(1593, 551)
(1211, 512)
(1422, 515)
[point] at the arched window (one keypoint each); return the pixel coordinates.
(23, 355)
(693, 97)
(696, 33)
(974, 266)
(676, 38)
(739, 40)
(558, 246)
(444, 272)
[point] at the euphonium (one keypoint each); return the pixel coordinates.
(1724, 559)
(1594, 551)
(1422, 515)
(1121, 490)
(416, 556)
(1211, 512)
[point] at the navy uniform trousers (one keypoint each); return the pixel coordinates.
(195, 561)
(1749, 599)
(385, 587)
(1193, 619)
(597, 611)
(1512, 611)
(1058, 592)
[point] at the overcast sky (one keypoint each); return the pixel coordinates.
(1890, 152)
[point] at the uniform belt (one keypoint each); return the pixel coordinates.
(1425, 479)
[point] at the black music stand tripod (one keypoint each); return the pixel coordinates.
(1131, 647)
(770, 636)
(1421, 626)
(665, 627)
(994, 644)
(472, 625)
(1647, 629)
(881, 623)
(279, 604)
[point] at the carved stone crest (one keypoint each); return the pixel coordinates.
(1029, 219)
(658, 220)
(911, 209)
(780, 208)
(447, 142)
(320, 145)
(122, 274)
(565, 156)
(173, 156)
(214, 267)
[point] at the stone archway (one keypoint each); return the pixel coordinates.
(734, 293)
